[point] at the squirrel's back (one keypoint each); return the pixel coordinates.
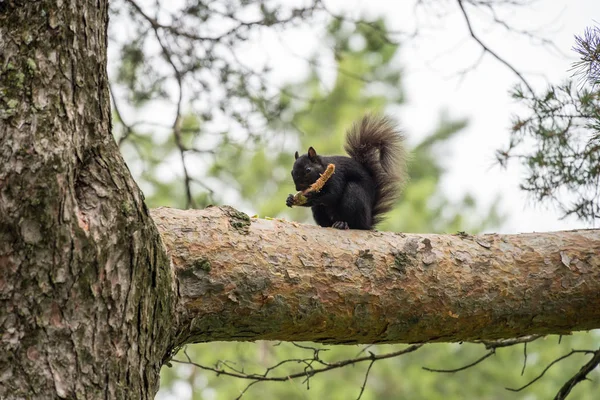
(377, 144)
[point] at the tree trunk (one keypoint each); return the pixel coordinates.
(242, 279)
(86, 293)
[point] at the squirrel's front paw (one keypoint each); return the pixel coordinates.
(290, 200)
(340, 225)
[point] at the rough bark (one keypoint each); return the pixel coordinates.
(85, 287)
(242, 279)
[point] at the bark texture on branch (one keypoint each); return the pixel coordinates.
(86, 294)
(242, 279)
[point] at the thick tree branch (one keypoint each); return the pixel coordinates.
(242, 279)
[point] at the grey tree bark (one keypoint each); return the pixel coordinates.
(91, 305)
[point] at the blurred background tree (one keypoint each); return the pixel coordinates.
(231, 139)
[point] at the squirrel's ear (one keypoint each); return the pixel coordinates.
(312, 153)
(296, 155)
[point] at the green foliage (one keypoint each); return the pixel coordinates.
(559, 144)
(558, 140)
(588, 48)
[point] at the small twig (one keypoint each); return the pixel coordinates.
(383, 34)
(449, 371)
(488, 50)
(128, 127)
(328, 367)
(364, 349)
(495, 344)
(315, 349)
(177, 121)
(362, 388)
(580, 376)
(547, 368)
(246, 389)
(524, 358)
(236, 30)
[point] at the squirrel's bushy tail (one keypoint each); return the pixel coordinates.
(378, 145)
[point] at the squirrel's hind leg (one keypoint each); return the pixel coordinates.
(356, 207)
(322, 216)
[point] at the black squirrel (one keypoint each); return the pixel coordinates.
(364, 186)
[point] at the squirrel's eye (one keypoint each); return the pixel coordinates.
(307, 169)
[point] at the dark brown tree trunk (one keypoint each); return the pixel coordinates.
(85, 289)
